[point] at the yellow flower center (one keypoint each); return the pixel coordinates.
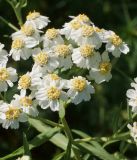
(25, 81)
(13, 113)
(116, 40)
(86, 50)
(41, 58)
(79, 84)
(96, 29)
(17, 44)
(4, 74)
(82, 18)
(62, 50)
(33, 15)
(54, 76)
(87, 30)
(53, 93)
(52, 33)
(105, 67)
(75, 25)
(26, 101)
(28, 30)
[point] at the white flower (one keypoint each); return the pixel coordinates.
(102, 70)
(29, 34)
(27, 104)
(11, 114)
(7, 77)
(87, 35)
(54, 78)
(115, 44)
(85, 56)
(132, 96)
(3, 55)
(24, 158)
(63, 52)
(50, 94)
(37, 20)
(30, 80)
(70, 28)
(82, 18)
(45, 60)
(52, 37)
(79, 90)
(133, 131)
(19, 49)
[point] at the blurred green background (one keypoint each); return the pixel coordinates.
(107, 109)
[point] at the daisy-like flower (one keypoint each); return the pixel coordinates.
(115, 45)
(79, 90)
(52, 37)
(70, 28)
(54, 78)
(133, 131)
(29, 34)
(85, 56)
(45, 60)
(63, 52)
(27, 104)
(132, 96)
(37, 20)
(82, 18)
(7, 77)
(19, 49)
(24, 158)
(87, 35)
(102, 70)
(50, 94)
(3, 55)
(11, 114)
(30, 80)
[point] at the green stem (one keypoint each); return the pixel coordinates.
(8, 23)
(125, 124)
(17, 10)
(49, 122)
(70, 137)
(18, 15)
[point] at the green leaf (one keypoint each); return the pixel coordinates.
(68, 151)
(59, 156)
(93, 148)
(26, 145)
(35, 142)
(96, 150)
(58, 139)
(86, 157)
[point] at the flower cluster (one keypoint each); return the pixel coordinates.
(77, 45)
(132, 101)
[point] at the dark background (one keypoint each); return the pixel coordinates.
(97, 116)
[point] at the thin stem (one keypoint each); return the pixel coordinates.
(125, 124)
(66, 129)
(8, 23)
(17, 11)
(49, 122)
(70, 137)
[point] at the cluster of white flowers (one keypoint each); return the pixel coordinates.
(132, 102)
(76, 45)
